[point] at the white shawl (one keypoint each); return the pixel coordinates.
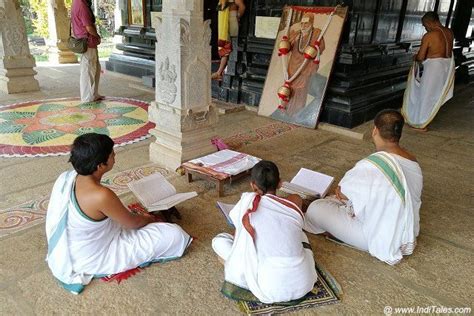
(275, 267)
(58, 257)
(382, 201)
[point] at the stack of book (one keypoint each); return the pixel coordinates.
(308, 184)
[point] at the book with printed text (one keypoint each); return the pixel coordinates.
(155, 193)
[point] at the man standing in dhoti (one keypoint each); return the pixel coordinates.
(229, 14)
(431, 78)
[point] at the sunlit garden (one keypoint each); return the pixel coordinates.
(35, 13)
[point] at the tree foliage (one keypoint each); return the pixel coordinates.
(40, 17)
(35, 13)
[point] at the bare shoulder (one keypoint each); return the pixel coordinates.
(427, 37)
(105, 195)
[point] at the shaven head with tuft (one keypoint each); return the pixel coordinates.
(265, 177)
(389, 124)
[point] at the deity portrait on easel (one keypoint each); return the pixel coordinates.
(301, 63)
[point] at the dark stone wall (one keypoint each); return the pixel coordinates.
(378, 42)
(369, 73)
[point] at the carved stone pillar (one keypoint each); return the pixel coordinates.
(58, 25)
(16, 62)
(184, 116)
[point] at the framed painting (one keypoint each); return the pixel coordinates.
(301, 63)
(136, 13)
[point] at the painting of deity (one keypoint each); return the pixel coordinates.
(302, 61)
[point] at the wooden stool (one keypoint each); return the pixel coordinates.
(219, 182)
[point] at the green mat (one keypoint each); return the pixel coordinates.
(326, 291)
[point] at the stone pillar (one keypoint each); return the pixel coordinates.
(58, 25)
(184, 116)
(16, 62)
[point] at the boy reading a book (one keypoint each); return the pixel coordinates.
(377, 203)
(90, 232)
(269, 255)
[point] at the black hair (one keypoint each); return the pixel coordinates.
(390, 124)
(430, 16)
(89, 151)
(266, 176)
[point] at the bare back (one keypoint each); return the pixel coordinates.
(437, 43)
(441, 43)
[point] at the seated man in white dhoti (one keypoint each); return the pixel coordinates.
(377, 203)
(431, 79)
(269, 255)
(90, 232)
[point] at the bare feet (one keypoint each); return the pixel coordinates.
(216, 76)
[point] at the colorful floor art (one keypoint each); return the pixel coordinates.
(264, 132)
(31, 213)
(48, 128)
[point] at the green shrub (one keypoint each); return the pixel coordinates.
(40, 21)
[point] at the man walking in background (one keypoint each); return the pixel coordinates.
(83, 26)
(428, 90)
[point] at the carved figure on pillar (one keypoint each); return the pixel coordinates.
(183, 113)
(16, 62)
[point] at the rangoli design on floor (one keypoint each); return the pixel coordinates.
(46, 128)
(31, 213)
(261, 133)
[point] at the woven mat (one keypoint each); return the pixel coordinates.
(326, 291)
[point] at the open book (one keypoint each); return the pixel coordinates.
(155, 193)
(225, 209)
(308, 184)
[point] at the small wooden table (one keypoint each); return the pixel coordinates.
(218, 181)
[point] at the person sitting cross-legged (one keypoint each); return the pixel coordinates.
(376, 205)
(90, 232)
(269, 255)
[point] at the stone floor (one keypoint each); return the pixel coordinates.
(438, 273)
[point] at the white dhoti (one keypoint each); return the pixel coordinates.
(426, 94)
(277, 266)
(80, 248)
(331, 215)
(382, 214)
(90, 75)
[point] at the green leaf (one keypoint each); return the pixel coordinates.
(38, 137)
(16, 115)
(123, 121)
(98, 130)
(50, 107)
(9, 127)
(120, 109)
